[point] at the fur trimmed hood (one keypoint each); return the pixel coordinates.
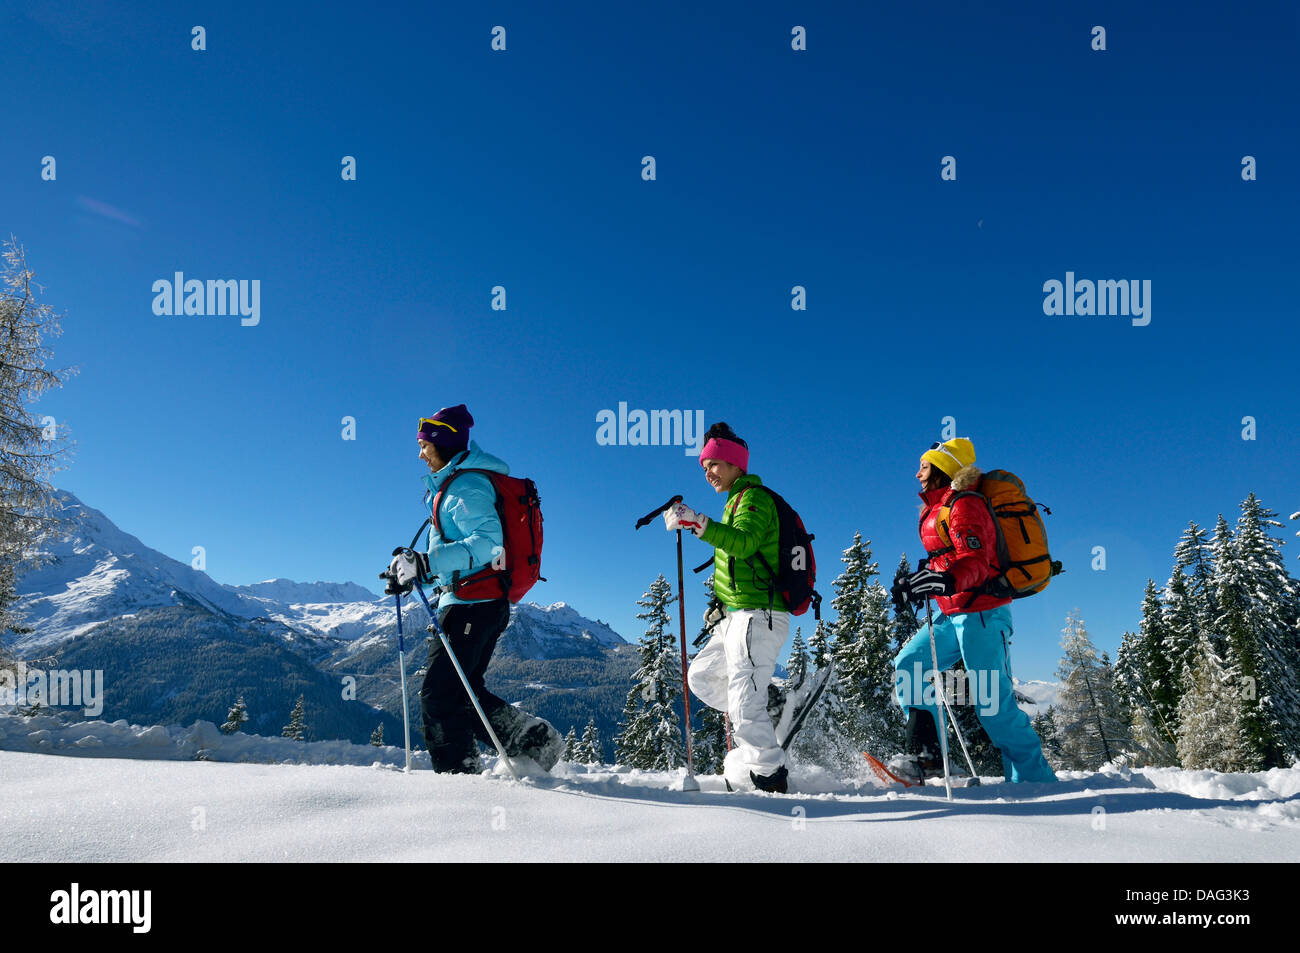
(967, 478)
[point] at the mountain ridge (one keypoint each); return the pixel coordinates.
(98, 573)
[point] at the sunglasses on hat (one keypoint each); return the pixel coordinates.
(440, 423)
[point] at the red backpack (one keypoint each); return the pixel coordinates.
(513, 572)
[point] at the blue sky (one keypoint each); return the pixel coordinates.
(775, 168)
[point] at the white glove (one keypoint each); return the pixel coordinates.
(681, 516)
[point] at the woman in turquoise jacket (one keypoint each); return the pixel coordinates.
(470, 538)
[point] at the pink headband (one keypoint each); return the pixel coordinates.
(728, 451)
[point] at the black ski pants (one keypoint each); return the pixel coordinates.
(450, 723)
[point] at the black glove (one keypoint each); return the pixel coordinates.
(923, 584)
(394, 588)
(898, 590)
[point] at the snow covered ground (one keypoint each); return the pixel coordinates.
(139, 794)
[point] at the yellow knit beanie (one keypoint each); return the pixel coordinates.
(951, 456)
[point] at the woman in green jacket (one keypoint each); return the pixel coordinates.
(733, 671)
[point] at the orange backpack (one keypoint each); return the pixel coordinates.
(1027, 567)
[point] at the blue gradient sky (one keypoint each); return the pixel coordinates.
(775, 168)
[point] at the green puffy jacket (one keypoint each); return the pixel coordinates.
(749, 525)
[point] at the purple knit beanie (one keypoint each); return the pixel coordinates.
(448, 429)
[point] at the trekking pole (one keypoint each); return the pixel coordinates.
(943, 730)
(401, 661)
(446, 644)
(956, 728)
(689, 784)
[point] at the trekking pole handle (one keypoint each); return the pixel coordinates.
(649, 517)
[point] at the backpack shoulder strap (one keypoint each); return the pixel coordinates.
(437, 500)
(739, 496)
(960, 494)
(999, 543)
(758, 553)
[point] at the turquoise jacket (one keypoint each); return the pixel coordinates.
(469, 521)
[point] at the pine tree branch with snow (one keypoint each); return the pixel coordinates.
(297, 727)
(650, 734)
(31, 449)
(1088, 715)
(236, 717)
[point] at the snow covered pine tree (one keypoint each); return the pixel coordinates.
(651, 735)
(297, 727)
(236, 717)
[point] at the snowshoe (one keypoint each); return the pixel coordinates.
(797, 704)
(541, 742)
(885, 775)
(522, 734)
(908, 769)
(957, 772)
(913, 769)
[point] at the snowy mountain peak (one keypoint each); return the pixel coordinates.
(306, 593)
(98, 573)
(556, 631)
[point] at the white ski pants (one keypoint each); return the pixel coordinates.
(731, 673)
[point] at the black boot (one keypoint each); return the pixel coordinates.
(921, 734)
(455, 759)
(771, 783)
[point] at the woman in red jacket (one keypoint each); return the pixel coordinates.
(973, 623)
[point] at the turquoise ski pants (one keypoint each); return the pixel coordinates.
(980, 639)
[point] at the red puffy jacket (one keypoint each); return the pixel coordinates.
(972, 560)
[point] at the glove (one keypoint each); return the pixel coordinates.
(393, 589)
(681, 516)
(409, 567)
(714, 614)
(920, 586)
(898, 591)
(931, 582)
